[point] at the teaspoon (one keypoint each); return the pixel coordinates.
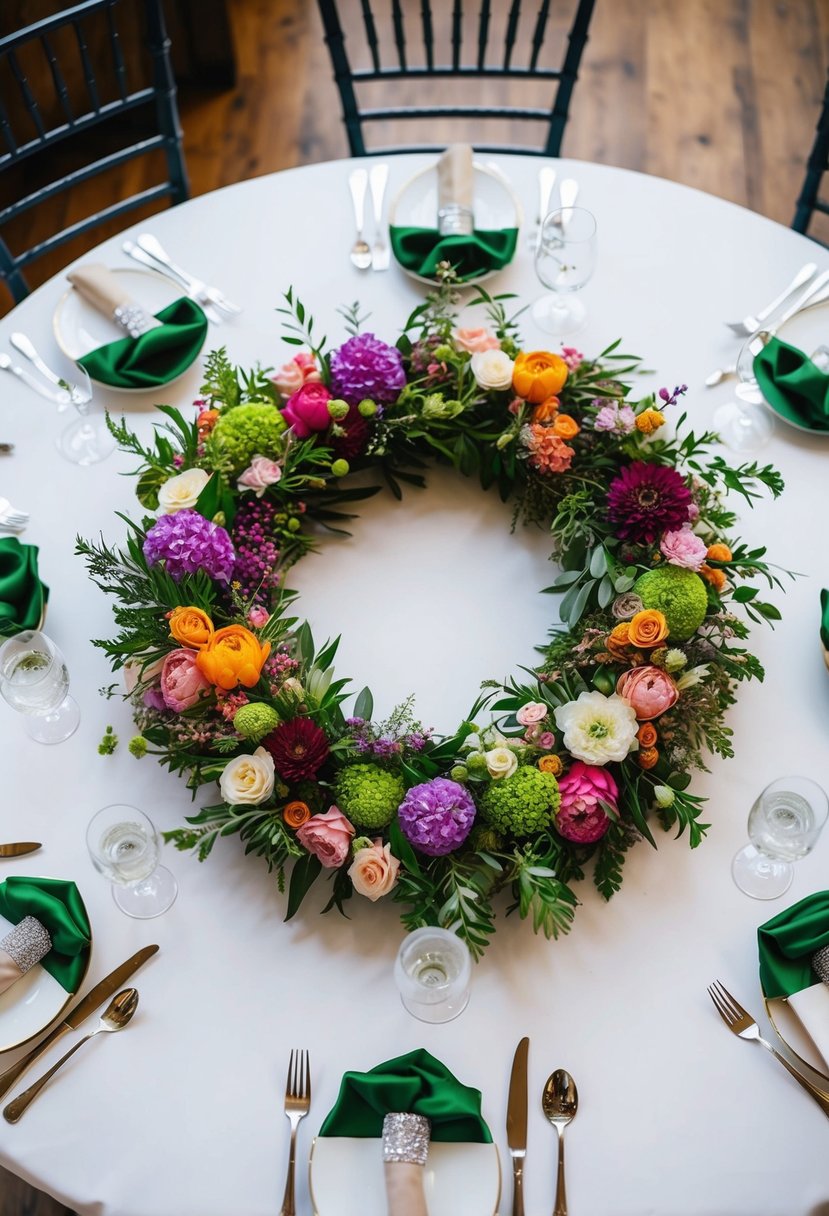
(560, 1101)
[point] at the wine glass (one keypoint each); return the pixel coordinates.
(746, 425)
(565, 258)
(783, 826)
(432, 971)
(124, 847)
(35, 681)
(87, 439)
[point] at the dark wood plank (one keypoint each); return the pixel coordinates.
(18, 1199)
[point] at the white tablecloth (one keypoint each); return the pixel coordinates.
(183, 1113)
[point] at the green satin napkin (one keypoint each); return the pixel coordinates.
(417, 1084)
(787, 943)
(156, 357)
(421, 249)
(793, 386)
(22, 595)
(58, 906)
(824, 618)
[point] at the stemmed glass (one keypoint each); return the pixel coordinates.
(124, 847)
(783, 826)
(432, 971)
(565, 258)
(86, 439)
(35, 681)
(746, 425)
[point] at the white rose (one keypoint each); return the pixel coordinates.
(500, 762)
(248, 779)
(597, 728)
(181, 492)
(492, 369)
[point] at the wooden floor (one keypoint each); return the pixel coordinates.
(719, 94)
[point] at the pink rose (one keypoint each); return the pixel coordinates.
(258, 616)
(650, 691)
(182, 684)
(306, 410)
(327, 836)
(683, 548)
(581, 816)
(302, 369)
(259, 474)
(532, 712)
(373, 871)
(475, 340)
(546, 741)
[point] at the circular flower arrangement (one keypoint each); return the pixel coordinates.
(565, 768)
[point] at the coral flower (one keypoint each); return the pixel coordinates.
(538, 375)
(647, 735)
(647, 757)
(649, 690)
(548, 452)
(296, 813)
(714, 576)
(546, 411)
(233, 656)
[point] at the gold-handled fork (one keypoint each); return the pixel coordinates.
(297, 1105)
(742, 1024)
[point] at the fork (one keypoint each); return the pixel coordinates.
(742, 1024)
(750, 324)
(11, 518)
(297, 1105)
(196, 287)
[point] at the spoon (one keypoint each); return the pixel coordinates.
(361, 250)
(115, 1017)
(560, 1101)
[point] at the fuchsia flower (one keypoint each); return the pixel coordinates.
(306, 410)
(581, 817)
(650, 691)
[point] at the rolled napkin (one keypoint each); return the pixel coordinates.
(26, 945)
(59, 908)
(405, 1149)
(792, 949)
(157, 349)
(824, 624)
(22, 595)
(456, 191)
(795, 387)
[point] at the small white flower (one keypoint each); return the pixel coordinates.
(597, 728)
(248, 779)
(501, 762)
(492, 369)
(694, 675)
(181, 492)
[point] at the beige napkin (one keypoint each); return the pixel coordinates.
(405, 1148)
(456, 187)
(26, 945)
(812, 1008)
(101, 288)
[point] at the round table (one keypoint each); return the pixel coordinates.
(183, 1114)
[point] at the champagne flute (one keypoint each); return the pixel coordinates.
(564, 261)
(34, 680)
(124, 847)
(783, 826)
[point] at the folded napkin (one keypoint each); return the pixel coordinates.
(27, 944)
(22, 595)
(788, 944)
(59, 908)
(472, 251)
(793, 385)
(153, 358)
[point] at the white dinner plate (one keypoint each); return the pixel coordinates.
(808, 331)
(346, 1176)
(495, 206)
(31, 1004)
(80, 328)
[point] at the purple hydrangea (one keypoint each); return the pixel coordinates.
(366, 367)
(187, 542)
(437, 816)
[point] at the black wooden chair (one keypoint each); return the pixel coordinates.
(817, 164)
(72, 108)
(425, 43)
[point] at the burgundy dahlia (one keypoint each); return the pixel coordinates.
(366, 367)
(646, 500)
(299, 749)
(437, 816)
(187, 542)
(349, 436)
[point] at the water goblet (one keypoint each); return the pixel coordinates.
(565, 258)
(783, 826)
(34, 680)
(432, 971)
(124, 847)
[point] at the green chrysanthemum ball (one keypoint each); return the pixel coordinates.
(256, 720)
(368, 795)
(679, 595)
(247, 431)
(522, 804)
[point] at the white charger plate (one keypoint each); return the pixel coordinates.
(495, 205)
(346, 1176)
(31, 1004)
(80, 328)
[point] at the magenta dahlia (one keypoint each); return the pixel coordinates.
(581, 817)
(366, 367)
(299, 749)
(437, 816)
(646, 500)
(187, 542)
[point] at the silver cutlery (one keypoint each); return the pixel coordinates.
(12, 519)
(750, 324)
(560, 1102)
(138, 255)
(517, 1123)
(59, 397)
(568, 193)
(77, 396)
(361, 250)
(19, 848)
(203, 293)
(297, 1105)
(378, 179)
(546, 181)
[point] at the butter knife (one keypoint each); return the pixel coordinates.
(517, 1124)
(19, 848)
(79, 1013)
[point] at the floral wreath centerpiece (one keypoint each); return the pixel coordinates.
(563, 766)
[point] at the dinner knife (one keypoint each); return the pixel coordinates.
(19, 848)
(517, 1124)
(78, 1014)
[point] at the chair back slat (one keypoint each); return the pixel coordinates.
(399, 33)
(371, 34)
(118, 64)
(512, 30)
(457, 33)
(29, 99)
(88, 70)
(538, 33)
(428, 33)
(809, 200)
(6, 128)
(483, 32)
(58, 79)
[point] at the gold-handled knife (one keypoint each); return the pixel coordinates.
(19, 848)
(93, 999)
(517, 1124)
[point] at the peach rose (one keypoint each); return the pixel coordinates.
(474, 340)
(233, 656)
(302, 369)
(191, 627)
(373, 871)
(647, 628)
(537, 375)
(650, 691)
(182, 684)
(327, 836)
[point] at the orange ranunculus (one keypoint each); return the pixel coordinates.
(296, 813)
(551, 764)
(546, 411)
(191, 627)
(618, 639)
(538, 375)
(566, 427)
(647, 735)
(233, 656)
(714, 576)
(719, 553)
(647, 628)
(649, 421)
(647, 757)
(205, 422)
